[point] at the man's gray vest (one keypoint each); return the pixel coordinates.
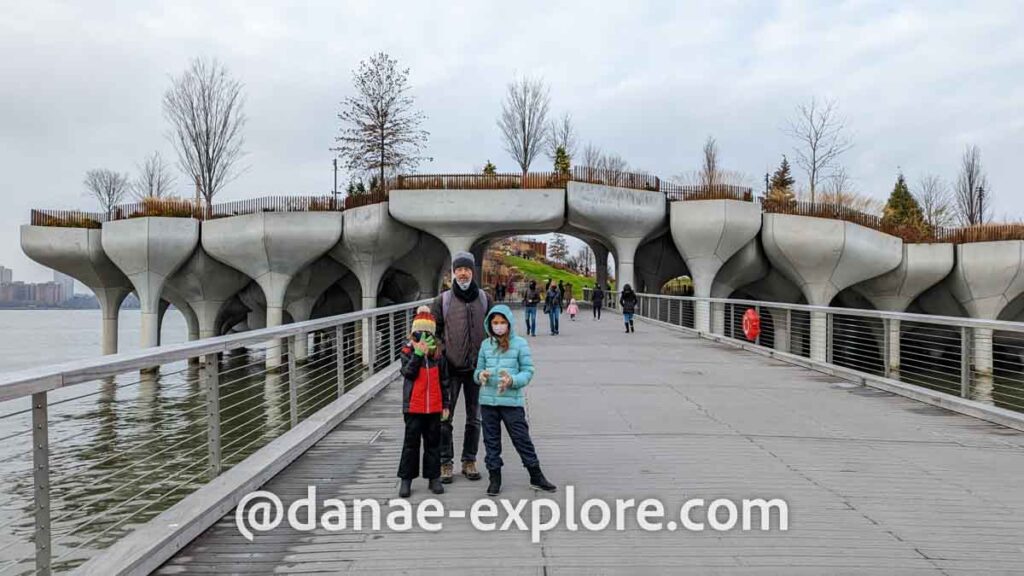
(463, 343)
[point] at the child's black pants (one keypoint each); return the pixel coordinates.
(425, 429)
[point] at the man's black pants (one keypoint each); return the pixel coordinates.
(462, 381)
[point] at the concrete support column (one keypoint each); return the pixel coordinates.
(781, 322)
(110, 308)
(109, 330)
(981, 356)
(275, 317)
(625, 253)
(717, 316)
(893, 340)
(819, 336)
(601, 263)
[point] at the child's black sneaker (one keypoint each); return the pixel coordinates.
(435, 486)
(494, 485)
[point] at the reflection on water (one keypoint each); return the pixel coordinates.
(125, 449)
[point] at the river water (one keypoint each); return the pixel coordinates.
(122, 450)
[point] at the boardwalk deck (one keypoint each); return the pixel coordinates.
(876, 483)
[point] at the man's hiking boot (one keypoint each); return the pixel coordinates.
(446, 473)
(469, 471)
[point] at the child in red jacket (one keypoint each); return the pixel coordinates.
(425, 395)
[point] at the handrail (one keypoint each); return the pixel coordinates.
(959, 321)
(34, 380)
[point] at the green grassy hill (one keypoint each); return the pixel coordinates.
(540, 272)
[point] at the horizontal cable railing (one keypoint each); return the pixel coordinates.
(94, 448)
(980, 360)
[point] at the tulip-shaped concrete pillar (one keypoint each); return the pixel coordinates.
(600, 262)
(372, 240)
(425, 263)
(149, 251)
(748, 265)
(708, 233)
(206, 285)
(823, 257)
(305, 289)
(623, 216)
(460, 218)
(923, 266)
(78, 252)
(987, 276)
(270, 248)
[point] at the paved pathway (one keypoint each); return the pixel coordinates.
(876, 484)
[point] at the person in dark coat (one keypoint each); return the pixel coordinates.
(597, 301)
(425, 398)
(628, 301)
(553, 308)
(531, 298)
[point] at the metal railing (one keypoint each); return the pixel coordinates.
(92, 449)
(530, 180)
(980, 360)
(685, 192)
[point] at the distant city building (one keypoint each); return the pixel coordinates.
(6, 275)
(67, 285)
(21, 294)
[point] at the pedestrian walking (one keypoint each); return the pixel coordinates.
(628, 302)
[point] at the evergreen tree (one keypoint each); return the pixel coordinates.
(781, 185)
(902, 209)
(356, 188)
(562, 161)
(558, 250)
(490, 169)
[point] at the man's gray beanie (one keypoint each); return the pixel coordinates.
(463, 259)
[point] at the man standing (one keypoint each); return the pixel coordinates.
(460, 314)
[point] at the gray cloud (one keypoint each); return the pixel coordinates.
(82, 84)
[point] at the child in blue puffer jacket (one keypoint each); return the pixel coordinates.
(504, 367)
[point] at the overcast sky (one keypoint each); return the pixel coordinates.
(82, 84)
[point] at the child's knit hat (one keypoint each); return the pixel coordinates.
(424, 320)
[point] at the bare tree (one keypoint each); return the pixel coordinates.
(204, 106)
(383, 133)
(936, 202)
(109, 188)
(710, 173)
(614, 167)
(821, 138)
(523, 120)
(153, 180)
(973, 196)
(591, 157)
(561, 133)
(839, 182)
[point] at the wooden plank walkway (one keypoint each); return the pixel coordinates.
(876, 483)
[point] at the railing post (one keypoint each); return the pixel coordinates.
(830, 335)
(965, 361)
(757, 310)
(886, 346)
(789, 331)
(41, 481)
(293, 390)
(369, 342)
(339, 353)
(391, 337)
(210, 376)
